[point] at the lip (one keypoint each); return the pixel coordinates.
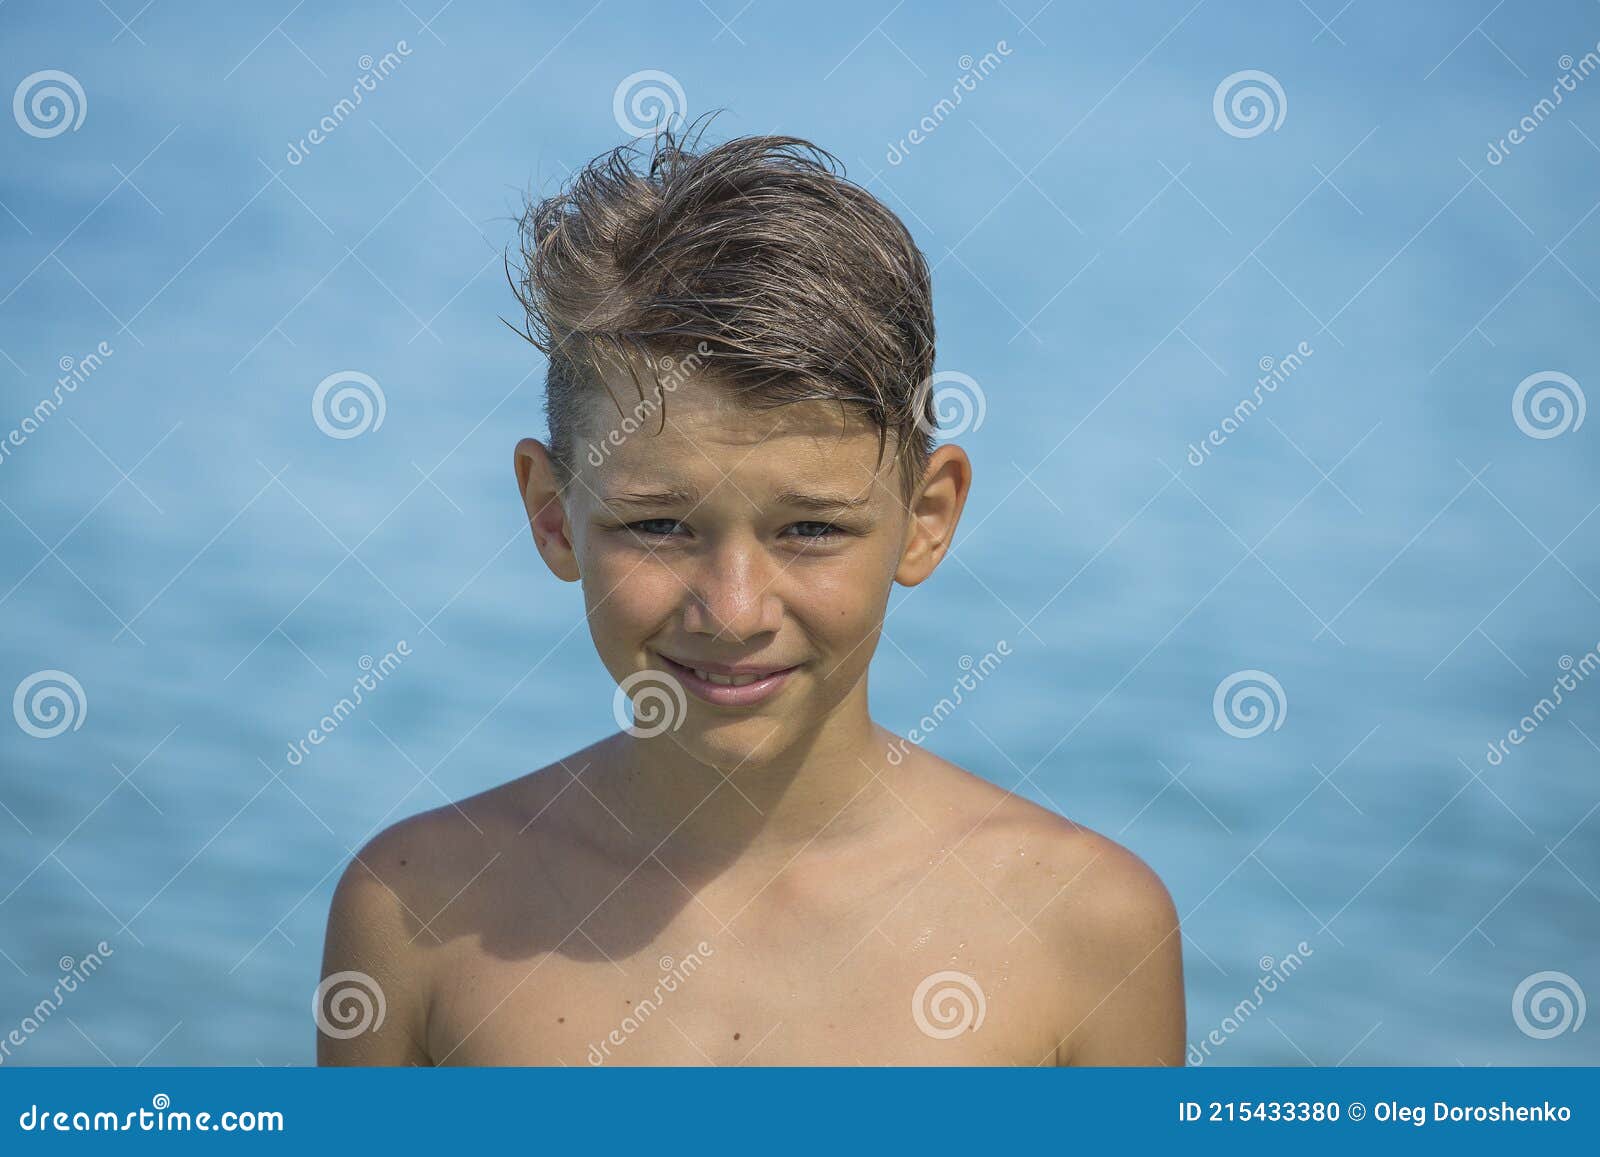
(720, 694)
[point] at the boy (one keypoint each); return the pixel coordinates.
(752, 870)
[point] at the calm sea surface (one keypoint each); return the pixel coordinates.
(1379, 534)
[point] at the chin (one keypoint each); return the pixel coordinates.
(731, 744)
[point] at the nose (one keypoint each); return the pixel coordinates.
(731, 594)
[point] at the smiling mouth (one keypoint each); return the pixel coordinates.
(737, 688)
(742, 678)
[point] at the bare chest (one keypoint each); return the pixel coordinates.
(940, 978)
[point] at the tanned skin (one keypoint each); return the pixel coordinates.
(776, 884)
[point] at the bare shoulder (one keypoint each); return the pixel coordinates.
(384, 921)
(1102, 914)
(1099, 880)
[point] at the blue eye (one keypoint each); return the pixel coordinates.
(827, 529)
(667, 528)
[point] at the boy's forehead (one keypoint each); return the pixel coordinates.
(698, 432)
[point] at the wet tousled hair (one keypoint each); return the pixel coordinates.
(755, 258)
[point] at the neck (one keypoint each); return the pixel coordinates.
(767, 804)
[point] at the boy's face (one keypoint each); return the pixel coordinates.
(735, 537)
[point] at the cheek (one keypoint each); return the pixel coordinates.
(844, 604)
(625, 590)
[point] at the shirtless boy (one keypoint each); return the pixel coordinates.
(751, 871)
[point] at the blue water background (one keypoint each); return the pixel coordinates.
(1110, 268)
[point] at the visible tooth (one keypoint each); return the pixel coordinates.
(726, 680)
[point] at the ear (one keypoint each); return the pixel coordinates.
(541, 495)
(935, 509)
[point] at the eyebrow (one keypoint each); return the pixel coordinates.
(676, 496)
(820, 503)
(673, 496)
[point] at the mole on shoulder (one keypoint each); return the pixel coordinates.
(402, 863)
(561, 1020)
(735, 1036)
